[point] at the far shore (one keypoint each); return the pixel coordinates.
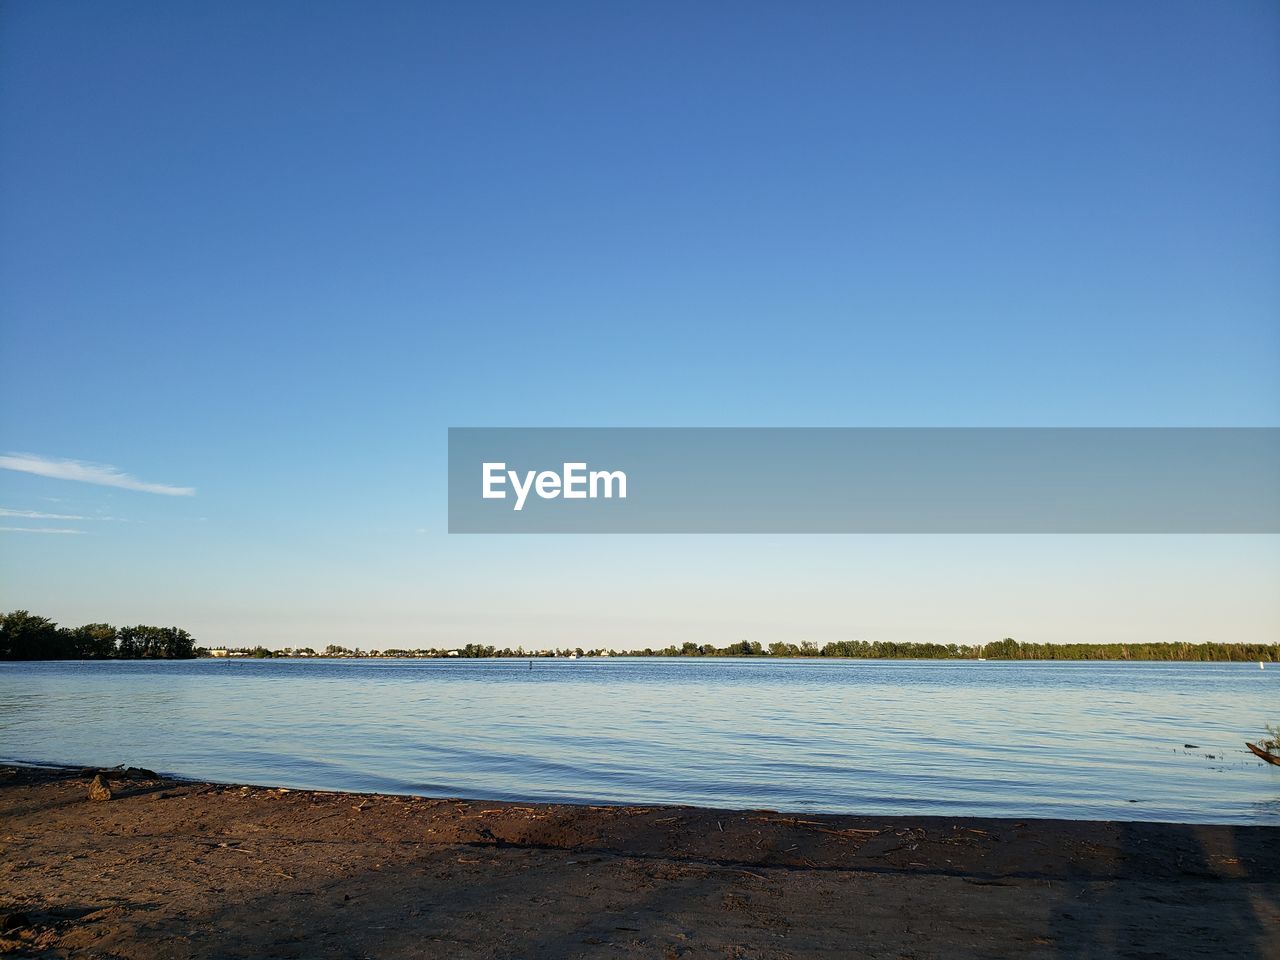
(176, 868)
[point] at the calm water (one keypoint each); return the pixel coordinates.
(1004, 739)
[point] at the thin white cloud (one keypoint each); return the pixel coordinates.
(99, 473)
(38, 530)
(37, 515)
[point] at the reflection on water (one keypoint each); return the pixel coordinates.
(1090, 740)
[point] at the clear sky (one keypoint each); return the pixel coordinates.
(268, 253)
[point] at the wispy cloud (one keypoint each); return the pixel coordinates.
(99, 473)
(37, 515)
(38, 530)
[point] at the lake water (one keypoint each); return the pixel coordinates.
(1081, 740)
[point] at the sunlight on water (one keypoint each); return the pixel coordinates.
(1081, 740)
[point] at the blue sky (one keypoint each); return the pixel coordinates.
(271, 252)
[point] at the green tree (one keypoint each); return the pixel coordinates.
(24, 636)
(94, 641)
(154, 643)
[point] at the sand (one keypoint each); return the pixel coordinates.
(169, 868)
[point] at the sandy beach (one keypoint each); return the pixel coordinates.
(170, 868)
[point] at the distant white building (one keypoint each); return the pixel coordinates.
(218, 652)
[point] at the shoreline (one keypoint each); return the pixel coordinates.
(602, 803)
(1271, 657)
(188, 868)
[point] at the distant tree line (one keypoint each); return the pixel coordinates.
(25, 636)
(1006, 649)
(472, 651)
